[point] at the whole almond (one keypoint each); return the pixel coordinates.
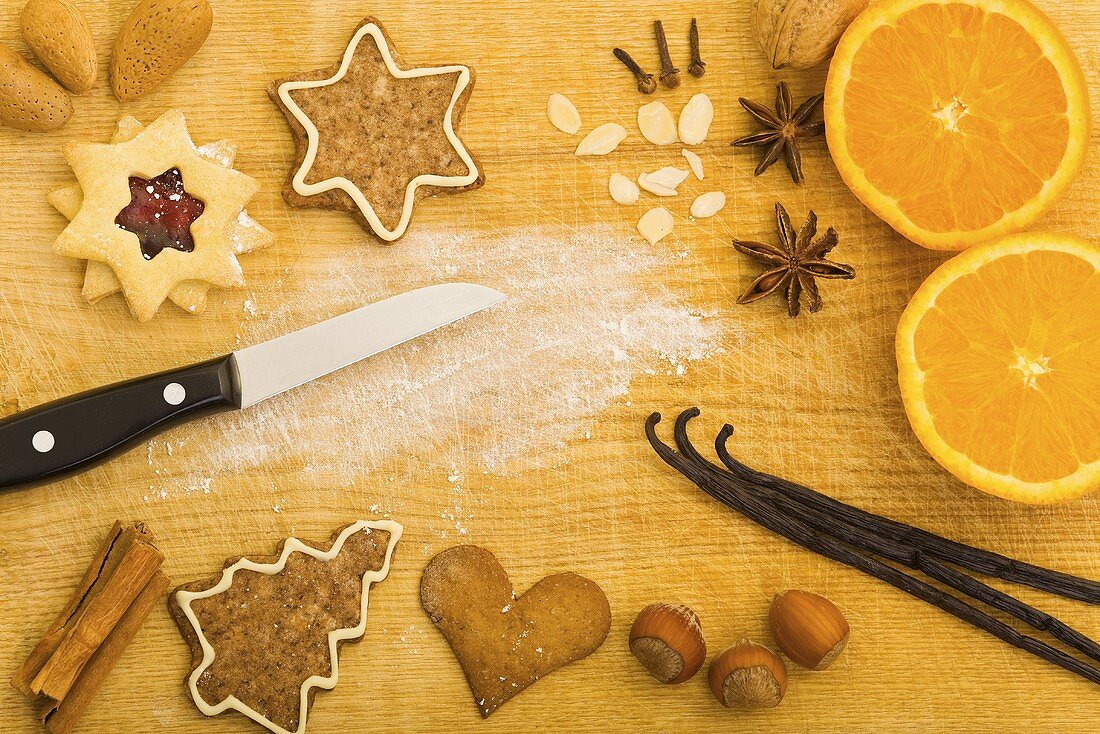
(29, 99)
(153, 43)
(59, 35)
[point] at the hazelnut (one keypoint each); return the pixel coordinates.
(808, 628)
(749, 676)
(668, 641)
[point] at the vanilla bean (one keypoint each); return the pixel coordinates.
(800, 533)
(974, 559)
(913, 558)
(893, 550)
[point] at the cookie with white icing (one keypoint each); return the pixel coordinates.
(373, 137)
(265, 635)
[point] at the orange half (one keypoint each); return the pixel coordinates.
(999, 366)
(956, 121)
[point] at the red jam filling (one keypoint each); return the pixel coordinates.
(160, 213)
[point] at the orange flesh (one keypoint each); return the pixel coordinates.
(959, 127)
(1011, 362)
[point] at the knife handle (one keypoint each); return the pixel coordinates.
(75, 433)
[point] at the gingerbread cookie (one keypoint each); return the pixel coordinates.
(505, 643)
(156, 212)
(245, 233)
(265, 635)
(372, 137)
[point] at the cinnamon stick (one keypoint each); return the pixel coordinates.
(97, 569)
(60, 717)
(84, 642)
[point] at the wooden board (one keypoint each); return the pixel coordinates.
(813, 398)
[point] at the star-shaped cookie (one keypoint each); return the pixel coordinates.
(245, 233)
(103, 172)
(372, 137)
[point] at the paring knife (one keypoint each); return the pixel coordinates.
(75, 433)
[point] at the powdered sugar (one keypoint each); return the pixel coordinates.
(501, 391)
(241, 236)
(221, 152)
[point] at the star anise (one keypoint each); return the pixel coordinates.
(796, 263)
(785, 128)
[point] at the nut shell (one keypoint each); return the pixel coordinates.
(801, 33)
(809, 629)
(58, 33)
(668, 640)
(748, 676)
(158, 38)
(30, 100)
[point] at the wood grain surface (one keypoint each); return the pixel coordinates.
(813, 398)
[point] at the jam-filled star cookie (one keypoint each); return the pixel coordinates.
(373, 137)
(157, 212)
(245, 233)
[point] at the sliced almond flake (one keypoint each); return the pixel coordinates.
(695, 119)
(655, 188)
(563, 114)
(657, 124)
(655, 224)
(669, 176)
(602, 140)
(708, 204)
(623, 190)
(695, 162)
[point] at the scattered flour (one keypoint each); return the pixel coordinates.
(499, 392)
(410, 638)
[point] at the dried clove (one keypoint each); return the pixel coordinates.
(670, 75)
(646, 85)
(698, 67)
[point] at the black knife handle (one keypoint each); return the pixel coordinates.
(70, 435)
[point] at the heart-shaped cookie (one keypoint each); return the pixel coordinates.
(502, 642)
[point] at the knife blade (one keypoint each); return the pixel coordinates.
(72, 434)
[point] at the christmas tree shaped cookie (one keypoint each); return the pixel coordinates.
(245, 233)
(157, 213)
(265, 635)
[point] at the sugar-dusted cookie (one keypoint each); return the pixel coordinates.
(157, 212)
(265, 635)
(373, 137)
(246, 233)
(505, 643)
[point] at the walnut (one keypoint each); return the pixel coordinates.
(801, 33)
